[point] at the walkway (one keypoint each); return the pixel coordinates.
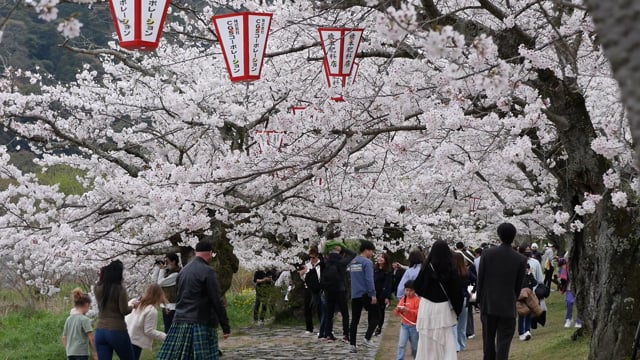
(288, 342)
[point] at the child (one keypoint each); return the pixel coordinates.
(78, 333)
(407, 309)
(141, 323)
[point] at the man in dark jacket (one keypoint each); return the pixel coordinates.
(312, 299)
(333, 282)
(499, 282)
(199, 311)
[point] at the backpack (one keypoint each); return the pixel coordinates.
(330, 278)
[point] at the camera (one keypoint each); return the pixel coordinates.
(160, 262)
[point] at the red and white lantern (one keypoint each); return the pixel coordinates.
(243, 39)
(269, 140)
(340, 47)
(474, 203)
(139, 22)
(337, 84)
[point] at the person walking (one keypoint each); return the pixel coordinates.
(312, 296)
(407, 309)
(165, 274)
(500, 278)
(439, 287)
(262, 280)
(383, 282)
(363, 294)
(547, 264)
(113, 306)
(467, 278)
(199, 311)
(416, 258)
(141, 322)
(334, 284)
(77, 335)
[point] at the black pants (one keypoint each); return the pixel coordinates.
(357, 305)
(337, 298)
(381, 311)
(311, 302)
(470, 326)
(497, 333)
(167, 319)
(548, 276)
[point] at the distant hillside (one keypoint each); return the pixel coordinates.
(29, 42)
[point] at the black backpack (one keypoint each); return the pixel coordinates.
(330, 277)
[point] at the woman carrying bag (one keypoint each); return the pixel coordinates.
(438, 286)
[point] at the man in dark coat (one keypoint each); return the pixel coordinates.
(500, 279)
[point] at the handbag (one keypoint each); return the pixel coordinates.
(542, 291)
(472, 298)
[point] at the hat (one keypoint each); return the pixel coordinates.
(534, 246)
(203, 246)
(331, 244)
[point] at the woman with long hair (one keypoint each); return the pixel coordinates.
(439, 287)
(141, 323)
(383, 282)
(467, 278)
(111, 329)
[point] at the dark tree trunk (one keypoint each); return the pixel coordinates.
(604, 260)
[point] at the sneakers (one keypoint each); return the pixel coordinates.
(378, 332)
(471, 336)
(353, 349)
(308, 332)
(525, 337)
(578, 325)
(345, 339)
(331, 338)
(567, 324)
(369, 343)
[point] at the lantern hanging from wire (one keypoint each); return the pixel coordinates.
(243, 38)
(474, 203)
(139, 23)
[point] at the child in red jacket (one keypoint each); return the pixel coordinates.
(407, 309)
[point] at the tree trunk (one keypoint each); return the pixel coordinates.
(605, 266)
(604, 260)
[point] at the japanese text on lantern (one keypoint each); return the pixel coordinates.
(340, 46)
(124, 13)
(235, 44)
(152, 17)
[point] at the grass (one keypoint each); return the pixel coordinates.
(64, 176)
(35, 334)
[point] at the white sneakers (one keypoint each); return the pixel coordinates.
(578, 325)
(525, 337)
(567, 323)
(368, 343)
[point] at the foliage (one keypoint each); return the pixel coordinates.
(64, 176)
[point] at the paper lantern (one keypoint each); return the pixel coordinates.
(474, 203)
(337, 84)
(269, 140)
(243, 39)
(340, 47)
(139, 22)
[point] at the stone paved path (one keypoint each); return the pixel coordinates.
(271, 342)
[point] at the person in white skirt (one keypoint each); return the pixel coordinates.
(438, 286)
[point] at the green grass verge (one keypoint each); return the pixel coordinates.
(36, 334)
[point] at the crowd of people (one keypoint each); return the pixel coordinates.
(437, 297)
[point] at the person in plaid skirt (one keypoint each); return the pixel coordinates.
(199, 310)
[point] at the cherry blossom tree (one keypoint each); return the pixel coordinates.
(464, 114)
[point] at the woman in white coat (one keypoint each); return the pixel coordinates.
(141, 322)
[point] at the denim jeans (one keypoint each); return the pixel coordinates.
(108, 341)
(407, 333)
(460, 330)
(524, 324)
(78, 357)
